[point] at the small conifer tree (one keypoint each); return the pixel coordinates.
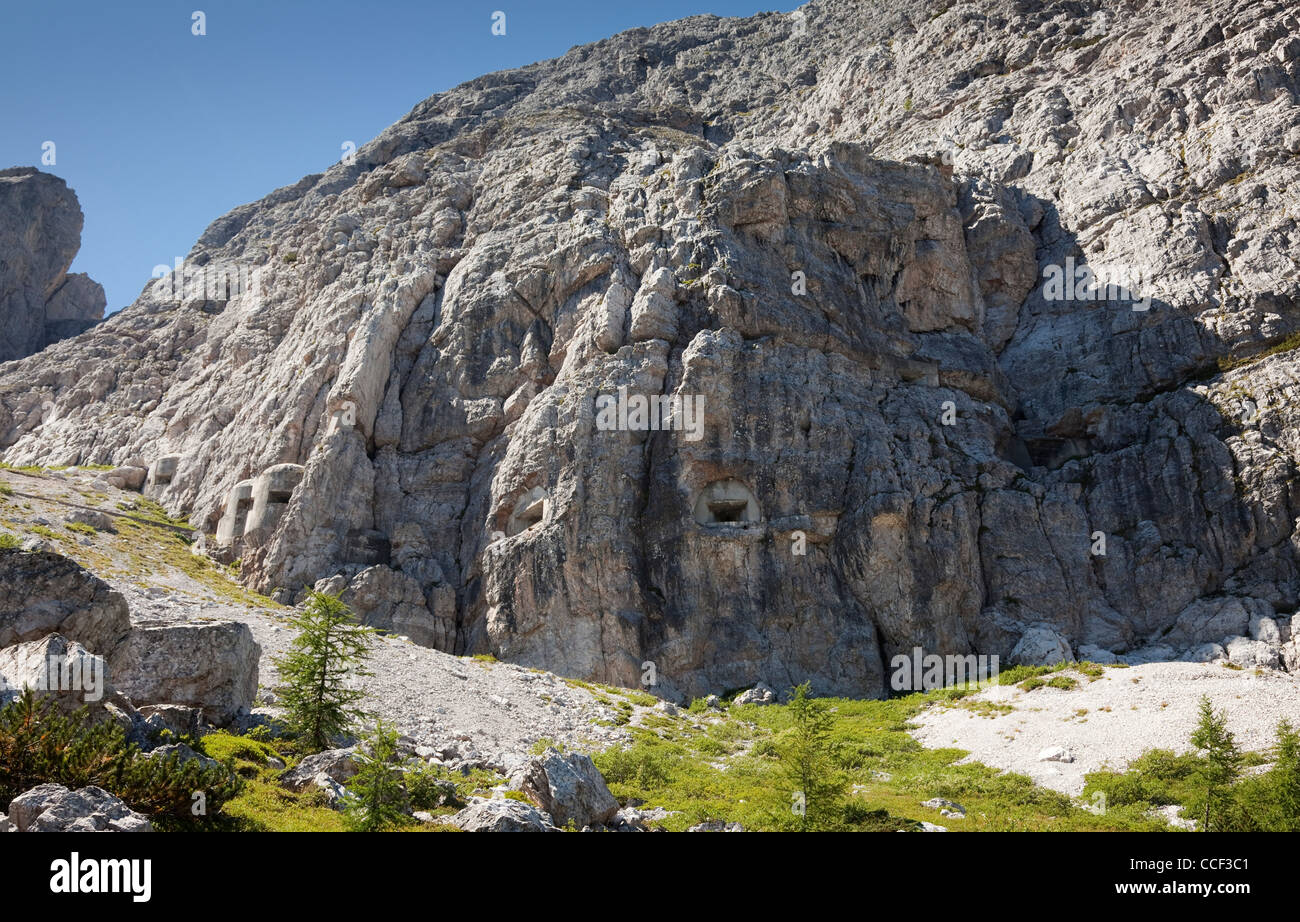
(1220, 762)
(318, 701)
(376, 796)
(808, 758)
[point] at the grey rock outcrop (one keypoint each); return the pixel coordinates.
(759, 694)
(183, 754)
(54, 611)
(54, 808)
(339, 765)
(503, 815)
(47, 593)
(57, 668)
(569, 787)
(40, 234)
(209, 665)
(828, 241)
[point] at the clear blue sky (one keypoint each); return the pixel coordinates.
(160, 131)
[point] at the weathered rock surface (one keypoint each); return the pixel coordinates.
(503, 815)
(183, 754)
(759, 694)
(210, 665)
(47, 593)
(339, 765)
(40, 233)
(58, 668)
(832, 234)
(569, 787)
(54, 808)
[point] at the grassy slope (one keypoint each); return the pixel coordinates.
(726, 766)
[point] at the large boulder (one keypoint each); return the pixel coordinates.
(40, 233)
(54, 808)
(338, 765)
(211, 665)
(61, 669)
(569, 787)
(46, 593)
(503, 815)
(759, 694)
(1041, 646)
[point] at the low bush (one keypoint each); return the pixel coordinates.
(40, 745)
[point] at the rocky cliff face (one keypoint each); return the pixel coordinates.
(843, 249)
(40, 233)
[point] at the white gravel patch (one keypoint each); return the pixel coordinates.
(1128, 711)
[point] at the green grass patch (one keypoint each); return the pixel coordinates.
(712, 765)
(1227, 363)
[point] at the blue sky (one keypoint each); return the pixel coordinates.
(160, 131)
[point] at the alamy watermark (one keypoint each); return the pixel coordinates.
(918, 671)
(1079, 281)
(61, 673)
(219, 282)
(623, 412)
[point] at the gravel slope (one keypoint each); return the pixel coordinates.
(1111, 721)
(498, 708)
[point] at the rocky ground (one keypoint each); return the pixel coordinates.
(492, 712)
(1056, 736)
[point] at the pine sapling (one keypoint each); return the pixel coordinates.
(318, 700)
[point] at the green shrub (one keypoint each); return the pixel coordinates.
(1017, 674)
(644, 763)
(427, 788)
(1159, 777)
(39, 745)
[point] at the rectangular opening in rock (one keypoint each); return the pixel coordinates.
(728, 510)
(533, 513)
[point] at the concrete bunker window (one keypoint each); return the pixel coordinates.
(726, 502)
(529, 511)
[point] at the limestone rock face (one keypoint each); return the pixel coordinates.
(744, 350)
(54, 808)
(209, 665)
(47, 593)
(40, 233)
